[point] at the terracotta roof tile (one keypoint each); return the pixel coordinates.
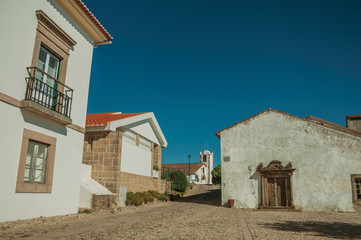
(93, 19)
(184, 167)
(102, 119)
(353, 117)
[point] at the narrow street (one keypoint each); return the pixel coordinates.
(195, 216)
(198, 215)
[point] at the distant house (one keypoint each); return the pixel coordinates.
(45, 63)
(195, 172)
(199, 173)
(277, 160)
(124, 151)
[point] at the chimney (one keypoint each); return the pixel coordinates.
(354, 122)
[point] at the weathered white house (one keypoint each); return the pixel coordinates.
(45, 61)
(277, 160)
(124, 151)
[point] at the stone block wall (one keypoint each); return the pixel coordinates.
(104, 202)
(102, 150)
(139, 183)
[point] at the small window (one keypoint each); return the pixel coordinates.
(36, 164)
(358, 188)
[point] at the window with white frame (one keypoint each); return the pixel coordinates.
(35, 165)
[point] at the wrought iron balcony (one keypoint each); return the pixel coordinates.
(51, 93)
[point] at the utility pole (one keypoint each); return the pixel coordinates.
(189, 168)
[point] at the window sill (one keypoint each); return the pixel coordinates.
(44, 111)
(33, 188)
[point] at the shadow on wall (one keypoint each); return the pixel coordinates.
(42, 122)
(337, 230)
(257, 178)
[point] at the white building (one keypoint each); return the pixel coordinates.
(198, 173)
(277, 160)
(195, 172)
(124, 151)
(207, 159)
(45, 61)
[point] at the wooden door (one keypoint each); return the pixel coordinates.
(276, 192)
(281, 192)
(271, 192)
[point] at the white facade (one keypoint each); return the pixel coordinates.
(19, 22)
(207, 158)
(323, 157)
(200, 176)
(136, 159)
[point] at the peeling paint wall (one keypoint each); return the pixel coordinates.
(323, 158)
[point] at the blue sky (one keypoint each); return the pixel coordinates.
(202, 65)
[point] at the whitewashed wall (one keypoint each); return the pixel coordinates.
(323, 159)
(18, 23)
(64, 197)
(145, 129)
(135, 159)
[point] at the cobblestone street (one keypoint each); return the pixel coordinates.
(197, 216)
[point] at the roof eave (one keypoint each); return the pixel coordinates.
(84, 18)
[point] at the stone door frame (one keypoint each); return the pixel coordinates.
(275, 170)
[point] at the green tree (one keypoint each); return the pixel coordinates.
(178, 180)
(216, 175)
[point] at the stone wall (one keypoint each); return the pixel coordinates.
(104, 202)
(102, 150)
(354, 123)
(138, 183)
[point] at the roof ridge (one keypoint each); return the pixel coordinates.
(337, 127)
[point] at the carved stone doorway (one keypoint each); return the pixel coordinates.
(276, 185)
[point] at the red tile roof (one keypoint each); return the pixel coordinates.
(102, 119)
(93, 19)
(353, 117)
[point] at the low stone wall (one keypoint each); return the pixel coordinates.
(104, 202)
(139, 183)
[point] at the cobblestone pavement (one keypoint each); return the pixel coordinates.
(303, 225)
(197, 216)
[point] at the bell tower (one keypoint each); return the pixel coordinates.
(207, 158)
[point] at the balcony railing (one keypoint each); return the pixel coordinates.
(56, 96)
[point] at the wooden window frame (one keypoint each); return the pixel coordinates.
(353, 185)
(54, 39)
(26, 187)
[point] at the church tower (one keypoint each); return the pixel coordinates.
(207, 158)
